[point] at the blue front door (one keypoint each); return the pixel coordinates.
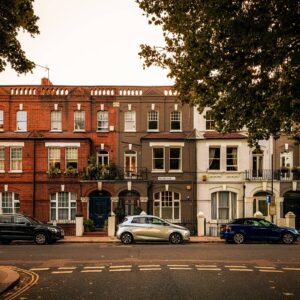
(99, 208)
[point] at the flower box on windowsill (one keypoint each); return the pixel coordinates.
(53, 172)
(72, 172)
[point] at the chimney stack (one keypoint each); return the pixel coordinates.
(45, 81)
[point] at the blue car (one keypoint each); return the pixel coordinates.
(253, 229)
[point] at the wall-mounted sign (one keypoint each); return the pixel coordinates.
(272, 209)
(166, 178)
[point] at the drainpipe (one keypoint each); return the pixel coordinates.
(244, 200)
(34, 178)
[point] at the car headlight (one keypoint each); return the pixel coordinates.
(53, 229)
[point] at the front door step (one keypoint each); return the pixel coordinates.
(95, 233)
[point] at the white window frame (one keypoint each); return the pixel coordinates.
(153, 116)
(79, 119)
(179, 159)
(56, 120)
(176, 119)
(2, 159)
(21, 121)
(15, 203)
(163, 158)
(236, 166)
(132, 171)
(54, 157)
(231, 214)
(12, 159)
(158, 203)
(210, 159)
(102, 121)
(209, 121)
(101, 157)
(71, 207)
(71, 156)
(1, 120)
(130, 121)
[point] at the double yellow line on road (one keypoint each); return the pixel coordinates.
(34, 279)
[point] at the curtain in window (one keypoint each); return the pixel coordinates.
(233, 198)
(224, 205)
(214, 206)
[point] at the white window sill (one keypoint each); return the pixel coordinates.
(2, 171)
(55, 130)
(175, 130)
(152, 130)
(15, 172)
(103, 131)
(20, 130)
(158, 171)
(175, 171)
(79, 130)
(129, 130)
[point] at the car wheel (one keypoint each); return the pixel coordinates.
(287, 238)
(6, 242)
(126, 238)
(239, 238)
(40, 238)
(175, 238)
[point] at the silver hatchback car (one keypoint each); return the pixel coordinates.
(151, 228)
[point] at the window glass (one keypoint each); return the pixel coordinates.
(175, 120)
(63, 206)
(71, 158)
(16, 159)
(158, 159)
(1, 119)
(223, 205)
(21, 120)
(56, 120)
(102, 121)
(79, 120)
(210, 122)
(9, 202)
(214, 158)
(152, 120)
(103, 158)
(175, 158)
(231, 159)
(2, 158)
(54, 158)
(130, 124)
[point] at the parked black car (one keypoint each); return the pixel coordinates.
(254, 229)
(21, 227)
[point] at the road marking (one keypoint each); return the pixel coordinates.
(270, 268)
(62, 272)
(270, 271)
(235, 267)
(66, 268)
(208, 269)
(149, 266)
(150, 269)
(91, 271)
(291, 269)
(206, 266)
(119, 270)
(180, 268)
(241, 270)
(100, 267)
(39, 269)
(116, 267)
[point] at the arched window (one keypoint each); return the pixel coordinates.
(9, 203)
(223, 205)
(166, 205)
(63, 206)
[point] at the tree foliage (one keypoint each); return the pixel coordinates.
(239, 57)
(14, 16)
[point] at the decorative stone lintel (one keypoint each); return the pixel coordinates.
(144, 199)
(114, 199)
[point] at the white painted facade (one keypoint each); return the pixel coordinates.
(231, 193)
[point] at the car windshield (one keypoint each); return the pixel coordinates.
(33, 220)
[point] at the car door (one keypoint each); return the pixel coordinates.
(139, 227)
(268, 231)
(23, 229)
(158, 230)
(249, 228)
(6, 227)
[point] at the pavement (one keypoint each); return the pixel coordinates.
(9, 277)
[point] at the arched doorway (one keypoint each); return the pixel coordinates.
(99, 208)
(129, 202)
(260, 203)
(291, 203)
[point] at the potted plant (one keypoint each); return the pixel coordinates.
(70, 171)
(53, 171)
(89, 225)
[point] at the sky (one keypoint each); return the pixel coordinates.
(89, 42)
